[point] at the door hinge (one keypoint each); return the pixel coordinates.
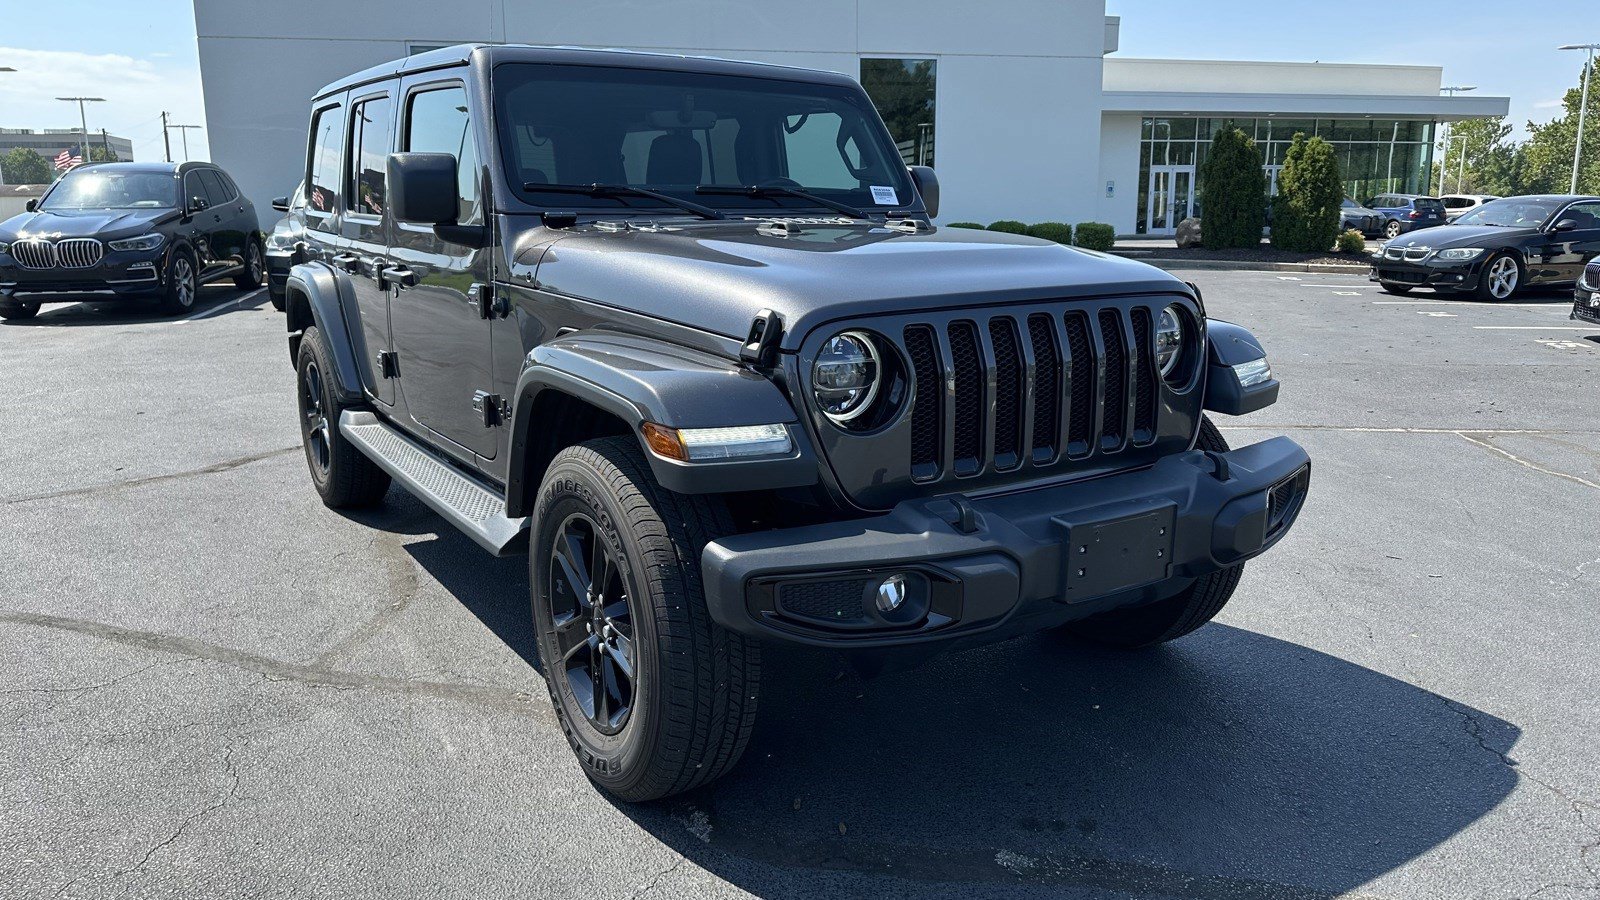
(494, 409)
(487, 300)
(388, 364)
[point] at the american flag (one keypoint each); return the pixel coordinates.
(68, 158)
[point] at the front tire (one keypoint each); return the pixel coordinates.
(183, 284)
(255, 268)
(654, 697)
(343, 476)
(1501, 278)
(1133, 627)
(18, 309)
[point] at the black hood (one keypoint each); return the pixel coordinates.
(717, 276)
(100, 223)
(1443, 236)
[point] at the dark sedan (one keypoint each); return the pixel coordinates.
(129, 230)
(1497, 249)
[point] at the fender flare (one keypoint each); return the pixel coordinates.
(639, 379)
(326, 300)
(1228, 345)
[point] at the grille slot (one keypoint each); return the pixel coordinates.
(79, 253)
(1046, 386)
(34, 254)
(1145, 375)
(925, 431)
(1080, 425)
(968, 419)
(1008, 393)
(1114, 421)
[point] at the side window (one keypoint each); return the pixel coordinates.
(228, 187)
(322, 166)
(216, 191)
(193, 187)
(437, 122)
(369, 155)
(1587, 215)
(815, 154)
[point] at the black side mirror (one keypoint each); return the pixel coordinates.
(281, 204)
(927, 185)
(1565, 225)
(422, 188)
(33, 205)
(197, 204)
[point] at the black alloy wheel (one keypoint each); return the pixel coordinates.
(314, 418)
(593, 624)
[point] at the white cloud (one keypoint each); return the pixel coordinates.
(135, 91)
(1547, 104)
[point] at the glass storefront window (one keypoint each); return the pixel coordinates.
(903, 91)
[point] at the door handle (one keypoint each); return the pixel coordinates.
(345, 261)
(401, 276)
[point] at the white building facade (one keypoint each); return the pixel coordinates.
(1021, 106)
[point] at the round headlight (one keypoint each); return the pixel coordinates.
(1169, 339)
(845, 377)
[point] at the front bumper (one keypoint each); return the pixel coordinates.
(279, 262)
(1586, 306)
(1000, 565)
(1432, 273)
(118, 274)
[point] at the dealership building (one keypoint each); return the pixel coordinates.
(1024, 107)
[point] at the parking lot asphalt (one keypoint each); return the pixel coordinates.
(215, 687)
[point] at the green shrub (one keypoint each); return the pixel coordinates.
(1095, 236)
(1233, 189)
(974, 225)
(1009, 226)
(1351, 241)
(1306, 213)
(1060, 232)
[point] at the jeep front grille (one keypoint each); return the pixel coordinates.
(983, 391)
(34, 254)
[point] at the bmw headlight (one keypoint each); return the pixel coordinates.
(1169, 339)
(1460, 254)
(5, 247)
(845, 377)
(142, 242)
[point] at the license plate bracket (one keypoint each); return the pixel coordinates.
(1115, 548)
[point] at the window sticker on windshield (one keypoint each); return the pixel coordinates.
(884, 196)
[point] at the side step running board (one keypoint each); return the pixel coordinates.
(467, 503)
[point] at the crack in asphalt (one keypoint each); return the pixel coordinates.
(232, 772)
(214, 468)
(657, 877)
(275, 670)
(1487, 445)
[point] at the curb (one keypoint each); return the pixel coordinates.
(1245, 266)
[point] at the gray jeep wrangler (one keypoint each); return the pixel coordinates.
(684, 332)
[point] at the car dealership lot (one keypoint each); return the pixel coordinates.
(220, 688)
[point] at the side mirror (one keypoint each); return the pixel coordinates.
(422, 188)
(197, 204)
(32, 205)
(281, 204)
(1565, 225)
(927, 185)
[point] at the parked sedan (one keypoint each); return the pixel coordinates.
(1407, 212)
(1353, 215)
(1458, 205)
(1497, 249)
(129, 230)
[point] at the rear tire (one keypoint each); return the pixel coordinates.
(683, 714)
(343, 476)
(1392, 229)
(18, 309)
(1165, 620)
(255, 268)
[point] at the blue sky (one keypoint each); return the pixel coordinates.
(141, 55)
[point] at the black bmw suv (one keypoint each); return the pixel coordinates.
(129, 230)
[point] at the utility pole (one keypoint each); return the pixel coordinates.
(166, 139)
(1583, 108)
(184, 130)
(1452, 91)
(83, 119)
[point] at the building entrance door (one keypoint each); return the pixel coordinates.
(1170, 198)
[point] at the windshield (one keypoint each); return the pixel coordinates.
(102, 189)
(1510, 213)
(680, 133)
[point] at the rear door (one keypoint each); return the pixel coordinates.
(441, 333)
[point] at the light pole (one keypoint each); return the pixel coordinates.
(3, 171)
(1452, 90)
(83, 119)
(183, 130)
(1583, 108)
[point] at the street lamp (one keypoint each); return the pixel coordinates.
(83, 120)
(1583, 108)
(1452, 90)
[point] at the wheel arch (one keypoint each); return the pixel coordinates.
(314, 297)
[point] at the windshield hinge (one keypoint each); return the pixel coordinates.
(488, 301)
(761, 347)
(558, 219)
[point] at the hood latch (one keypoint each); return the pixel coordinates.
(761, 347)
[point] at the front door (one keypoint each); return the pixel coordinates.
(1170, 198)
(1568, 251)
(364, 228)
(441, 332)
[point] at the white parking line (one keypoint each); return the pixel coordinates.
(1353, 284)
(1555, 307)
(1536, 328)
(217, 310)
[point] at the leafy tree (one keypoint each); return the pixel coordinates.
(98, 153)
(1477, 148)
(25, 166)
(1306, 212)
(1233, 188)
(1549, 147)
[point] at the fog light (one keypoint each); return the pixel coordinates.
(892, 593)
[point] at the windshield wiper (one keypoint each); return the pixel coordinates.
(759, 191)
(622, 190)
